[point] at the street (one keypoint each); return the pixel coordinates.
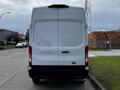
(14, 76)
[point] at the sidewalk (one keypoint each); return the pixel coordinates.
(112, 52)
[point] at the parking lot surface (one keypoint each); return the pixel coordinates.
(14, 76)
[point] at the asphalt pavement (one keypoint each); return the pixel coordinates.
(14, 76)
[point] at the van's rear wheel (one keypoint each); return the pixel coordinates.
(82, 81)
(36, 80)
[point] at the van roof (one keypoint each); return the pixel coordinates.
(58, 6)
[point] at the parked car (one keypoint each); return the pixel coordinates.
(25, 44)
(20, 45)
(58, 44)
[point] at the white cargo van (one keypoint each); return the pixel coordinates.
(58, 44)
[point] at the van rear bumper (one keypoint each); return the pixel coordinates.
(46, 72)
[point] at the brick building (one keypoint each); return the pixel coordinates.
(104, 39)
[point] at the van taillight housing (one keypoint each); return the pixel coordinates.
(86, 55)
(30, 55)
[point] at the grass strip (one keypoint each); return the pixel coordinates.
(107, 71)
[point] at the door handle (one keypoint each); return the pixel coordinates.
(65, 52)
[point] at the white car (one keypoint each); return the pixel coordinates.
(25, 44)
(20, 45)
(58, 44)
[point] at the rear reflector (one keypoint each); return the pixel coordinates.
(58, 6)
(30, 50)
(86, 55)
(30, 62)
(30, 55)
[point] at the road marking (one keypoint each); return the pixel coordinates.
(92, 55)
(12, 76)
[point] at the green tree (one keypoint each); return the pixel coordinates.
(13, 37)
(27, 35)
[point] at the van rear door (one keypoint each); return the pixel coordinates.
(45, 36)
(71, 36)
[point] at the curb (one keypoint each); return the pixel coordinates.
(96, 84)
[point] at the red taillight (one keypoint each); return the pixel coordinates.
(30, 50)
(30, 55)
(86, 55)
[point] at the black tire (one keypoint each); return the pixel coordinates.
(81, 81)
(36, 80)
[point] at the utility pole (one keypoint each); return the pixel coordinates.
(89, 17)
(86, 6)
(88, 13)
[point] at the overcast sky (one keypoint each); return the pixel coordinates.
(105, 13)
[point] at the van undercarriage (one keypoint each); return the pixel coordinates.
(51, 72)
